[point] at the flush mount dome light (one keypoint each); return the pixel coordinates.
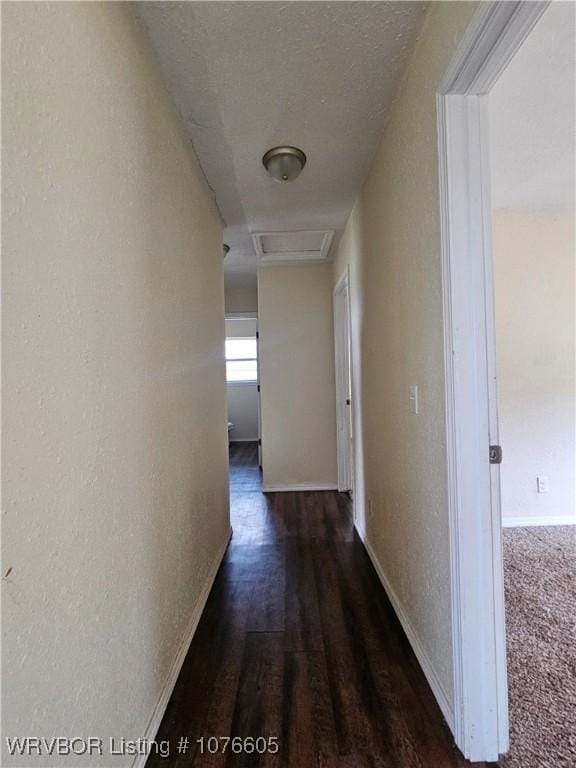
(284, 163)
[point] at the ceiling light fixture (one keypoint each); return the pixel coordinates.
(284, 163)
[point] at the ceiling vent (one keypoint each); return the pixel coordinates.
(279, 247)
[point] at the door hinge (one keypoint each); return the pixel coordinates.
(257, 335)
(259, 441)
(258, 388)
(495, 454)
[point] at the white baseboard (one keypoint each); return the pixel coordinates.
(530, 520)
(160, 708)
(300, 487)
(433, 680)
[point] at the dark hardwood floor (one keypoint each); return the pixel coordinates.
(298, 642)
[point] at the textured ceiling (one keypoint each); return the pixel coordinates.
(247, 76)
(532, 123)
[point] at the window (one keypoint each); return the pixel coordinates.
(241, 360)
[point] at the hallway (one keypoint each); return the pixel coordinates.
(229, 222)
(298, 641)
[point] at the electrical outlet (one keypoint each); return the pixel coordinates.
(542, 484)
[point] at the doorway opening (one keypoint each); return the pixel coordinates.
(343, 357)
(532, 184)
(243, 402)
(473, 449)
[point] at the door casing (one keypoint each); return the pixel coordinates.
(343, 357)
(496, 32)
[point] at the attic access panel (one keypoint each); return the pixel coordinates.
(308, 245)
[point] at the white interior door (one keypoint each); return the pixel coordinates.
(343, 383)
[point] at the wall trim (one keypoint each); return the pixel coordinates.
(248, 315)
(494, 35)
(434, 682)
(241, 383)
(166, 693)
(282, 488)
(540, 520)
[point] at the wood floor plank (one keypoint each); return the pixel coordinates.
(362, 722)
(268, 605)
(303, 625)
(308, 728)
(259, 701)
(244, 562)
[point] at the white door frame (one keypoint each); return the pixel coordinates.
(343, 362)
(477, 593)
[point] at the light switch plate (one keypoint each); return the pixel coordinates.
(542, 484)
(413, 398)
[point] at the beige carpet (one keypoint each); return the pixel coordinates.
(540, 582)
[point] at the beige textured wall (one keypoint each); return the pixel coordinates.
(392, 243)
(114, 434)
(298, 398)
(534, 285)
